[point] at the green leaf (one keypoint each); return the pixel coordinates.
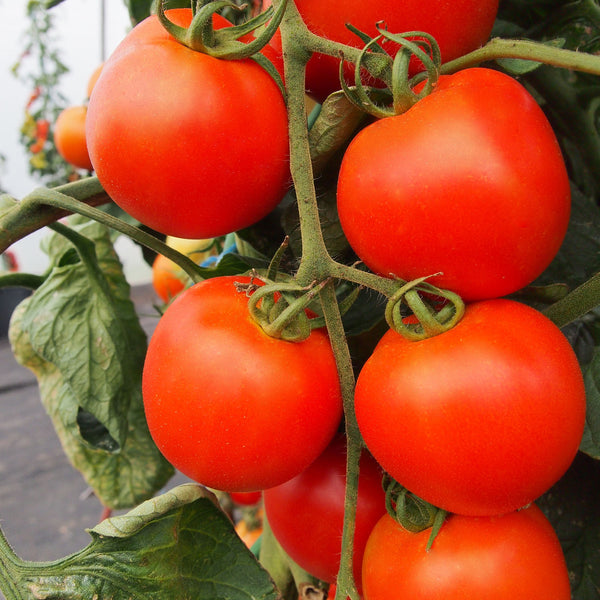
(86, 348)
(85, 324)
(337, 121)
(579, 256)
(7, 203)
(572, 507)
(591, 437)
(141, 9)
(178, 546)
(138, 9)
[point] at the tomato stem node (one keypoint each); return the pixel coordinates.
(434, 310)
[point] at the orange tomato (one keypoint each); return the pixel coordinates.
(93, 79)
(69, 137)
(168, 279)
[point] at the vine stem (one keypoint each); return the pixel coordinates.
(346, 585)
(27, 216)
(54, 202)
(9, 570)
(315, 265)
(575, 304)
(526, 50)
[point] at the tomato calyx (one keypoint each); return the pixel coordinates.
(402, 91)
(279, 308)
(411, 512)
(434, 310)
(224, 42)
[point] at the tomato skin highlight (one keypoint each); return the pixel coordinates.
(515, 556)
(480, 420)
(229, 406)
(190, 145)
(306, 514)
(461, 184)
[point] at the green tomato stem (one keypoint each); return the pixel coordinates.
(25, 218)
(333, 319)
(575, 304)
(526, 50)
(29, 215)
(24, 280)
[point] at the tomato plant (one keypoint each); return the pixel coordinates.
(69, 137)
(492, 558)
(460, 185)
(481, 419)
(228, 125)
(483, 183)
(306, 513)
(205, 410)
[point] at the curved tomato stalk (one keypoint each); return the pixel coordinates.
(402, 88)
(431, 318)
(223, 42)
(412, 512)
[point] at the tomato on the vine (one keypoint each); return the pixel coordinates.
(516, 556)
(93, 79)
(230, 406)
(468, 185)
(188, 144)
(306, 513)
(458, 27)
(168, 278)
(70, 139)
(481, 419)
(246, 498)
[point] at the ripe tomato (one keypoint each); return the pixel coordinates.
(306, 513)
(246, 498)
(470, 182)
(481, 419)
(69, 137)
(168, 278)
(93, 78)
(190, 145)
(229, 406)
(516, 556)
(459, 27)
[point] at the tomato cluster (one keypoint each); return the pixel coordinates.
(469, 188)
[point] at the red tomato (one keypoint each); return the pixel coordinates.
(470, 182)
(306, 513)
(168, 279)
(190, 145)
(69, 137)
(459, 27)
(229, 406)
(516, 556)
(246, 498)
(481, 419)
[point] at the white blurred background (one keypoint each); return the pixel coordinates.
(79, 39)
